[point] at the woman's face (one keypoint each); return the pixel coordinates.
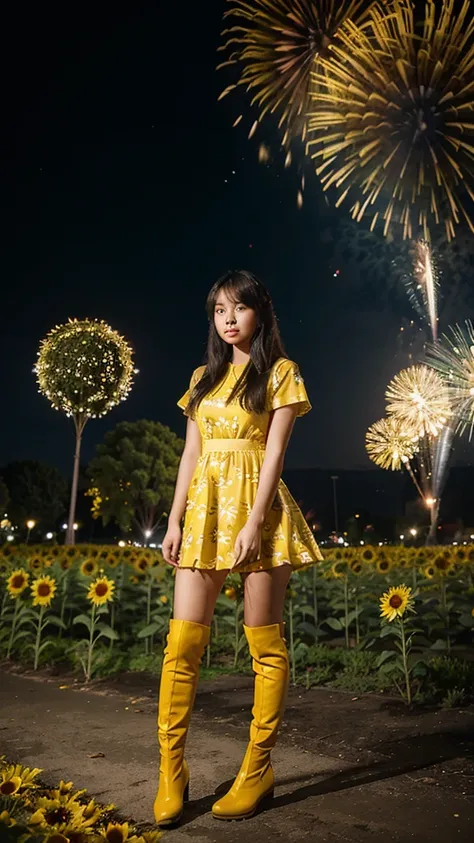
(235, 322)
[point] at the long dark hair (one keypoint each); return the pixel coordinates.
(266, 347)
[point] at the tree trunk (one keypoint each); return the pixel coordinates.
(432, 537)
(79, 424)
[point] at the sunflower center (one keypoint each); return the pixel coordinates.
(57, 815)
(395, 601)
(114, 835)
(7, 788)
(44, 589)
(18, 581)
(101, 589)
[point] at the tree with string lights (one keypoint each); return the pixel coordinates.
(84, 368)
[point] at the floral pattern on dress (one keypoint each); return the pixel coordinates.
(224, 485)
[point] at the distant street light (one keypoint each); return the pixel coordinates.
(30, 525)
(414, 532)
(334, 479)
(49, 536)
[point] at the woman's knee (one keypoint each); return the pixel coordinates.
(264, 595)
(195, 594)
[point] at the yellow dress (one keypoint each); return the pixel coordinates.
(224, 484)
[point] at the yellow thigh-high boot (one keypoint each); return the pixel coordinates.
(179, 678)
(255, 779)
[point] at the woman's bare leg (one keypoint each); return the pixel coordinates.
(195, 594)
(264, 595)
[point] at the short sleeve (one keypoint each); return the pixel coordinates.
(195, 377)
(287, 387)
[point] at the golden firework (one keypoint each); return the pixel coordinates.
(453, 359)
(391, 123)
(390, 443)
(418, 397)
(275, 44)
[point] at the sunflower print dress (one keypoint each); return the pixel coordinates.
(224, 484)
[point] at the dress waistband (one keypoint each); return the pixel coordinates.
(210, 445)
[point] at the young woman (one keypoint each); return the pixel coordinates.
(239, 516)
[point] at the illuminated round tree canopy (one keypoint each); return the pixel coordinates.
(84, 368)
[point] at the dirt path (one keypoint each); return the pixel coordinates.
(348, 769)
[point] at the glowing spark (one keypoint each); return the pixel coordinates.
(391, 121)
(418, 397)
(453, 359)
(390, 444)
(427, 282)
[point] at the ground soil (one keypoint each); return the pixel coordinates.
(349, 768)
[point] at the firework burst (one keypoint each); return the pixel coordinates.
(274, 45)
(390, 444)
(418, 398)
(453, 359)
(422, 284)
(391, 117)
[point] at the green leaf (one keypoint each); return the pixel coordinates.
(149, 630)
(84, 619)
(107, 632)
(384, 655)
(466, 620)
(334, 623)
(439, 644)
(387, 629)
(44, 645)
(55, 621)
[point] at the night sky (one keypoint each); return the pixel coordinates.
(128, 193)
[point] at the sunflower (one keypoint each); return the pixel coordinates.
(141, 564)
(368, 554)
(6, 819)
(429, 571)
(460, 554)
(383, 566)
(442, 563)
(9, 784)
(35, 563)
(356, 567)
(101, 591)
(72, 551)
(56, 551)
(61, 814)
(65, 563)
(26, 774)
(470, 555)
(339, 568)
(112, 559)
(17, 582)
(116, 833)
(395, 602)
(43, 590)
(89, 568)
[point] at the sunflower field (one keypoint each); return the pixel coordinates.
(365, 619)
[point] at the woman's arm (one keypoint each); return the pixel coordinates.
(247, 545)
(189, 458)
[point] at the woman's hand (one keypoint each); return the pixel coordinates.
(172, 544)
(247, 545)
